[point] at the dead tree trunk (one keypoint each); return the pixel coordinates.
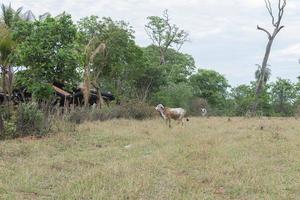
(162, 59)
(90, 54)
(100, 100)
(271, 37)
(10, 76)
(86, 85)
(1, 126)
(4, 83)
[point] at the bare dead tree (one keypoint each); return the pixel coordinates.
(91, 52)
(277, 27)
(97, 70)
(1, 126)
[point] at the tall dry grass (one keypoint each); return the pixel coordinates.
(211, 158)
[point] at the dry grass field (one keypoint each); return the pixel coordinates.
(125, 159)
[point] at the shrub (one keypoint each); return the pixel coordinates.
(79, 115)
(5, 112)
(129, 110)
(173, 95)
(9, 130)
(7, 123)
(134, 110)
(102, 114)
(297, 111)
(30, 120)
(196, 105)
(2, 128)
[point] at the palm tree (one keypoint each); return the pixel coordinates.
(7, 19)
(28, 16)
(6, 48)
(9, 15)
(260, 75)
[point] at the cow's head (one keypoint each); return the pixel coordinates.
(160, 108)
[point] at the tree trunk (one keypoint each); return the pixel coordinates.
(277, 27)
(162, 57)
(1, 126)
(100, 100)
(10, 82)
(260, 82)
(86, 85)
(146, 92)
(4, 88)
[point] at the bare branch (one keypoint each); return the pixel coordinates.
(279, 29)
(281, 7)
(270, 10)
(264, 30)
(150, 36)
(166, 15)
(100, 49)
(88, 45)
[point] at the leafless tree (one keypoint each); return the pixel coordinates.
(1, 126)
(91, 51)
(277, 27)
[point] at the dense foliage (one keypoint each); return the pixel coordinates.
(102, 54)
(48, 51)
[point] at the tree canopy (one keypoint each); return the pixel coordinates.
(48, 51)
(101, 54)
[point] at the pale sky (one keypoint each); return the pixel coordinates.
(223, 33)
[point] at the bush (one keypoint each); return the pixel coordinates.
(30, 120)
(2, 128)
(196, 105)
(9, 130)
(297, 111)
(7, 123)
(134, 110)
(5, 112)
(129, 110)
(79, 115)
(173, 95)
(102, 114)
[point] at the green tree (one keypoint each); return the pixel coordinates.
(49, 52)
(9, 15)
(145, 81)
(178, 66)
(174, 95)
(212, 86)
(7, 45)
(244, 95)
(151, 76)
(284, 94)
(6, 49)
(165, 35)
(116, 66)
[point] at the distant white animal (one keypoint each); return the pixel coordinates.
(171, 113)
(203, 112)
